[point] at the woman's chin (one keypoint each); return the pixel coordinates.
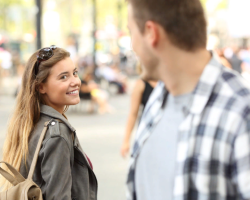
(75, 102)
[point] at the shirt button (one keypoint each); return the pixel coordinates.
(53, 123)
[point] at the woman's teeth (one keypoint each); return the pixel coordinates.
(74, 92)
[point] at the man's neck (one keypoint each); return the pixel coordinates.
(181, 70)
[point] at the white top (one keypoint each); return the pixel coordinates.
(155, 167)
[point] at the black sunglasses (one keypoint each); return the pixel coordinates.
(44, 54)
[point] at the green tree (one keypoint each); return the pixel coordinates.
(15, 15)
(111, 7)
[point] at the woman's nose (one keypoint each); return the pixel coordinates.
(75, 81)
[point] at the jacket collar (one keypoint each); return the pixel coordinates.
(51, 112)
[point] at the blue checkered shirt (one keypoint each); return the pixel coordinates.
(213, 150)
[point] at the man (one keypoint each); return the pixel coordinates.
(193, 142)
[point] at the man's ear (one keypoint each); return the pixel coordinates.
(42, 88)
(152, 33)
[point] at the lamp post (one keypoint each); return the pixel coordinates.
(38, 24)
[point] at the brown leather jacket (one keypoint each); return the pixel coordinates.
(63, 170)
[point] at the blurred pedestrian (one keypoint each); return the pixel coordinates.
(244, 55)
(193, 141)
(223, 59)
(121, 79)
(139, 97)
(63, 171)
(113, 76)
(91, 90)
(235, 61)
(71, 47)
(5, 62)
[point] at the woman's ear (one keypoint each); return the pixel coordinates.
(42, 88)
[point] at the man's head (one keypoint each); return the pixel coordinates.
(180, 23)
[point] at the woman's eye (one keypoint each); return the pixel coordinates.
(64, 77)
(75, 73)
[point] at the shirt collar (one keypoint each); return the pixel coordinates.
(205, 86)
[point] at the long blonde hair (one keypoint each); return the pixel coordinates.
(27, 111)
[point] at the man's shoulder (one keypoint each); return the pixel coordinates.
(232, 90)
(233, 83)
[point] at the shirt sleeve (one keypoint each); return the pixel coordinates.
(241, 162)
(56, 169)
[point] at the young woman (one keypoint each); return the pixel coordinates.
(50, 84)
(139, 97)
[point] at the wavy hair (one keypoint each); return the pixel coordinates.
(27, 111)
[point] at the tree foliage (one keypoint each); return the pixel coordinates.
(15, 16)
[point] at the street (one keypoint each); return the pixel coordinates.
(100, 137)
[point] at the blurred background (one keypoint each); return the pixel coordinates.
(95, 33)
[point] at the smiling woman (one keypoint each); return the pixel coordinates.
(62, 86)
(63, 171)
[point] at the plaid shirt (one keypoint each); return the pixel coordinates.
(213, 150)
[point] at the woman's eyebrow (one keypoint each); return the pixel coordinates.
(63, 73)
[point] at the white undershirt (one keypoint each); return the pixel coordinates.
(155, 166)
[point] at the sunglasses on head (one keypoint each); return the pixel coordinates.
(44, 54)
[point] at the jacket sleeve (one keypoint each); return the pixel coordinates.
(56, 169)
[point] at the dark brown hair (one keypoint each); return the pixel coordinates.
(183, 20)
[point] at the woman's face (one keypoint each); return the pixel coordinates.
(62, 85)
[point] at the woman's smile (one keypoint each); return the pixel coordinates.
(73, 92)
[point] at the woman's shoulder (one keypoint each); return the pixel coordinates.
(139, 86)
(56, 128)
